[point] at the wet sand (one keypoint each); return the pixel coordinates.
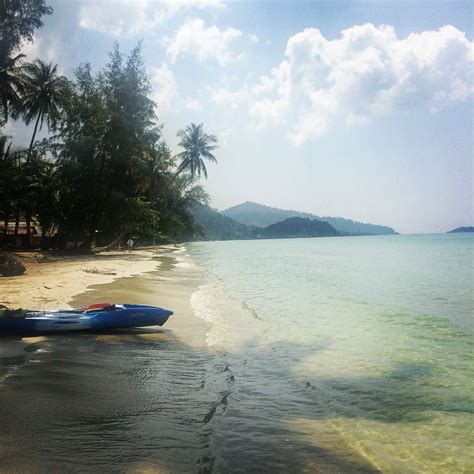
(121, 401)
(149, 400)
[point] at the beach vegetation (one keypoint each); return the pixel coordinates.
(104, 172)
(198, 146)
(42, 96)
(18, 21)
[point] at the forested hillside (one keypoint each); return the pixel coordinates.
(259, 215)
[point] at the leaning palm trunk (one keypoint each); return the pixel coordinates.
(115, 243)
(33, 138)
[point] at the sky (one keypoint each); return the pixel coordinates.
(359, 109)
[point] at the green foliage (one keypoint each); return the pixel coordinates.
(104, 173)
(217, 226)
(11, 86)
(213, 225)
(44, 92)
(108, 149)
(297, 227)
(197, 146)
(18, 21)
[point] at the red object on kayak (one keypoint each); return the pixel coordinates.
(98, 306)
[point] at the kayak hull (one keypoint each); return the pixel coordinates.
(121, 317)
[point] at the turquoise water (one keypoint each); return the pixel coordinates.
(355, 348)
(331, 355)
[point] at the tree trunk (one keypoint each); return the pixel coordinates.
(115, 242)
(87, 244)
(17, 226)
(43, 239)
(59, 242)
(5, 228)
(92, 228)
(28, 231)
(98, 213)
(33, 137)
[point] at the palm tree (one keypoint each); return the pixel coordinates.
(197, 145)
(41, 100)
(11, 85)
(155, 175)
(43, 94)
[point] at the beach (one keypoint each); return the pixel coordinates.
(52, 280)
(341, 355)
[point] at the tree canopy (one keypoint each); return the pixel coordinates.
(197, 147)
(104, 172)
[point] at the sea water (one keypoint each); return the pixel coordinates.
(359, 345)
(348, 354)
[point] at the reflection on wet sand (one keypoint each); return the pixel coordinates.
(136, 404)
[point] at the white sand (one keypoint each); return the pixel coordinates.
(51, 285)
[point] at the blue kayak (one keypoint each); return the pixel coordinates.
(93, 318)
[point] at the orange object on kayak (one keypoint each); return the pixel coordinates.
(98, 306)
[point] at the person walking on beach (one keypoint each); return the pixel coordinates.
(130, 244)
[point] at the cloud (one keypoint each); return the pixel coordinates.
(366, 72)
(165, 89)
(58, 40)
(194, 38)
(193, 104)
(128, 18)
(254, 38)
(229, 99)
(165, 92)
(46, 49)
(8, 129)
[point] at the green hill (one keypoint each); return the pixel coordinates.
(461, 230)
(254, 214)
(297, 227)
(216, 226)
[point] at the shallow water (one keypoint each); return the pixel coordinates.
(304, 355)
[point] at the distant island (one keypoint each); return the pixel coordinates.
(460, 230)
(259, 215)
(256, 221)
(297, 227)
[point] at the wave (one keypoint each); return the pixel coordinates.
(229, 320)
(252, 311)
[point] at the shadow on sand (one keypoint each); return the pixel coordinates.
(142, 400)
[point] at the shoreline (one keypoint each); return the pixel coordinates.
(53, 283)
(153, 276)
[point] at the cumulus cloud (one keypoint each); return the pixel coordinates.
(58, 40)
(193, 104)
(366, 72)
(194, 38)
(229, 99)
(165, 89)
(125, 17)
(165, 92)
(46, 49)
(254, 38)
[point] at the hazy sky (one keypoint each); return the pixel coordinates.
(354, 109)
